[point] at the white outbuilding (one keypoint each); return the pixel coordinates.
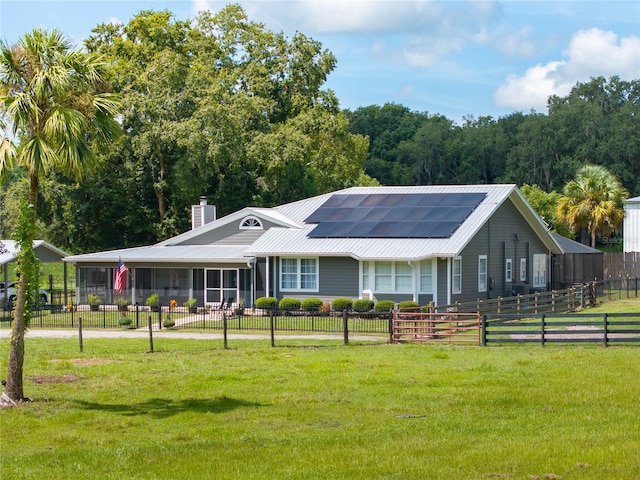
(631, 227)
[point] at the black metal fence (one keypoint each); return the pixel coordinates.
(181, 318)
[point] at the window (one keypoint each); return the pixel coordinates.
(383, 272)
(387, 277)
(403, 277)
(251, 223)
(523, 269)
(426, 276)
(365, 276)
(482, 273)
(539, 270)
(299, 274)
(456, 275)
(508, 271)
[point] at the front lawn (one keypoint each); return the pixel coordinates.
(301, 411)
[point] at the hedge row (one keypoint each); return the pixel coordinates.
(339, 304)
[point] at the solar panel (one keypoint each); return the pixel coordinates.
(425, 215)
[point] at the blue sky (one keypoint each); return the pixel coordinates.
(455, 58)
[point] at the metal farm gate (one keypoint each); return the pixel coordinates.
(451, 327)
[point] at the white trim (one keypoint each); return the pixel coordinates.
(459, 289)
(539, 270)
(298, 274)
(251, 222)
(482, 282)
(508, 270)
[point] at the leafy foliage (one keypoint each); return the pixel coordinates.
(385, 305)
(342, 303)
(289, 304)
(311, 304)
(266, 303)
(363, 305)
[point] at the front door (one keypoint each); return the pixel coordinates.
(221, 286)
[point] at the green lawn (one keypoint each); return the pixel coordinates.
(323, 411)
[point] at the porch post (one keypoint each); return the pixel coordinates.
(267, 277)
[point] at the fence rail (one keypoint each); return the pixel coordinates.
(414, 326)
(603, 328)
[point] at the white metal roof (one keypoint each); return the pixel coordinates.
(283, 242)
(12, 250)
(166, 254)
(291, 236)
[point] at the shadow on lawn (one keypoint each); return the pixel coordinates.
(163, 408)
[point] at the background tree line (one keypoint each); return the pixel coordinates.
(223, 107)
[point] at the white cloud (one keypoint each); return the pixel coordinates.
(590, 53)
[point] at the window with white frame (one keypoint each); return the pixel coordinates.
(383, 275)
(482, 273)
(523, 269)
(539, 270)
(426, 276)
(403, 277)
(387, 277)
(456, 275)
(299, 274)
(508, 270)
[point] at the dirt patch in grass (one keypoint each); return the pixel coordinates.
(55, 379)
(84, 362)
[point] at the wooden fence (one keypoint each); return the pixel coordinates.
(621, 265)
(416, 326)
(605, 328)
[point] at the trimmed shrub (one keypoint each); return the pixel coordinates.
(289, 304)
(125, 321)
(408, 304)
(168, 323)
(363, 305)
(341, 304)
(385, 305)
(311, 304)
(266, 303)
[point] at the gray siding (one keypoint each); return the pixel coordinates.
(338, 277)
(230, 234)
(496, 239)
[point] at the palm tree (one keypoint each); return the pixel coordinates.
(56, 105)
(593, 201)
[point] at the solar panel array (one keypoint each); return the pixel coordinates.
(393, 215)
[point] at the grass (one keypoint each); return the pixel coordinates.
(322, 411)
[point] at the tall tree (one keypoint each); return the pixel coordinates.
(56, 103)
(593, 201)
(222, 107)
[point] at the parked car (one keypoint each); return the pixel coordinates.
(12, 292)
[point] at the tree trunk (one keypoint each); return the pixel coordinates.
(14, 388)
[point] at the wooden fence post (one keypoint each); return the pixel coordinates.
(272, 328)
(150, 336)
(606, 322)
(80, 333)
(345, 326)
(483, 340)
(542, 329)
(224, 329)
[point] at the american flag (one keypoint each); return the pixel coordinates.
(120, 280)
